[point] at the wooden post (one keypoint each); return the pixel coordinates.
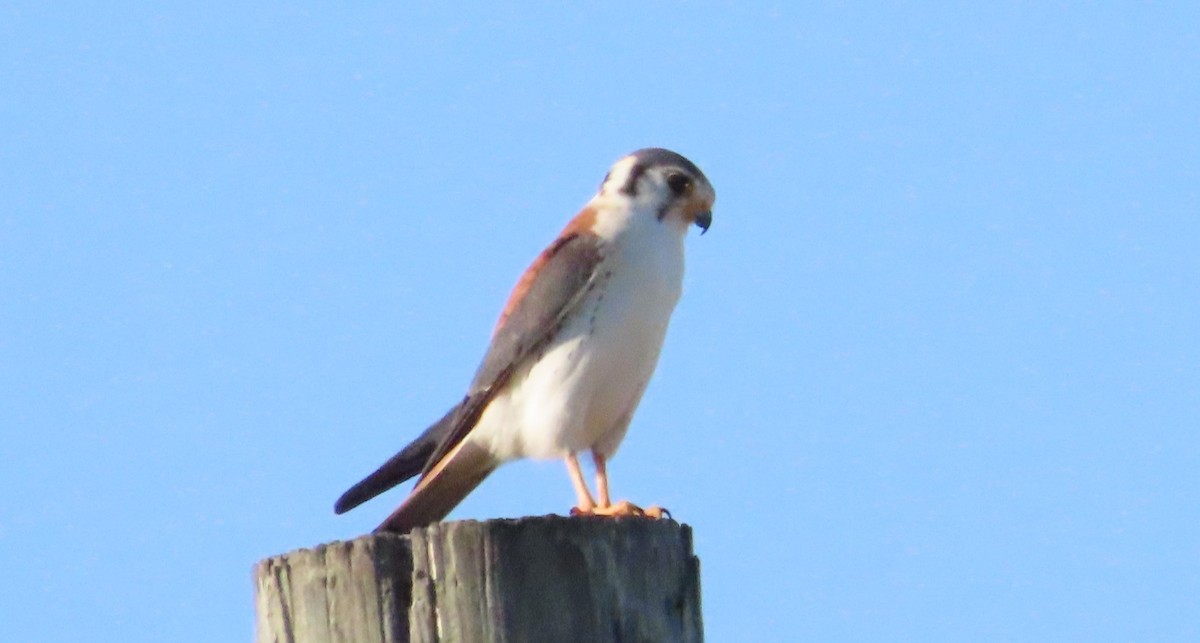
(534, 579)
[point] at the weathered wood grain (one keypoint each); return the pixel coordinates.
(534, 579)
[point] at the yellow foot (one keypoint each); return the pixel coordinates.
(620, 510)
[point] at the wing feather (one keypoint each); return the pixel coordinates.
(549, 290)
(546, 293)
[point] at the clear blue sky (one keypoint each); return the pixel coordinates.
(935, 375)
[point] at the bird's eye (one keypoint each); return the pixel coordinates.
(679, 183)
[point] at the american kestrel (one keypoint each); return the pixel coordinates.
(573, 350)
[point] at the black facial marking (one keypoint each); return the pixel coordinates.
(635, 173)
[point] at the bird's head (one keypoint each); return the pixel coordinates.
(664, 182)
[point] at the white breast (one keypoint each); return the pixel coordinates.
(583, 391)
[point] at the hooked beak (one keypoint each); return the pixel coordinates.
(703, 220)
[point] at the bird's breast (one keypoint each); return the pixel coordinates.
(584, 386)
(617, 338)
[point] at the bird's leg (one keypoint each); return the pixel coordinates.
(601, 479)
(623, 508)
(584, 502)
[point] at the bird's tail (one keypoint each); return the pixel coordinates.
(407, 463)
(440, 490)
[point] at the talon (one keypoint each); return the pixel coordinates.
(622, 509)
(587, 505)
(657, 512)
(579, 510)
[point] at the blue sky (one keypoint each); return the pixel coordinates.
(934, 376)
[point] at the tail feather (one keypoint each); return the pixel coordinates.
(450, 480)
(407, 463)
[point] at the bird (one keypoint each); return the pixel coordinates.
(576, 343)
